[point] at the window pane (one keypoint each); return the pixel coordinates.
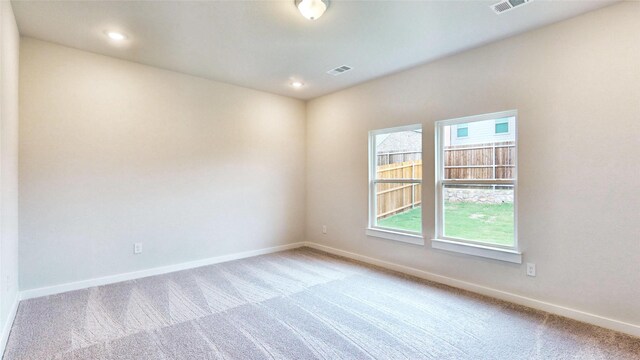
(398, 206)
(481, 213)
(484, 155)
(462, 131)
(502, 127)
(399, 155)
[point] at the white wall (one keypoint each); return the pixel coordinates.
(9, 48)
(579, 206)
(113, 152)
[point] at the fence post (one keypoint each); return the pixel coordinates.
(493, 161)
(413, 186)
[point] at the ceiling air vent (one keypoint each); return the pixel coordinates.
(339, 70)
(507, 5)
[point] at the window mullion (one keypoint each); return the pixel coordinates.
(478, 182)
(397, 181)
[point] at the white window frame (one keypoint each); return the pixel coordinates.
(410, 237)
(441, 242)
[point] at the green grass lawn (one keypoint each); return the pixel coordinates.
(410, 220)
(488, 223)
(491, 223)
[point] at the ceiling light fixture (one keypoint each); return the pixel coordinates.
(312, 9)
(297, 84)
(116, 36)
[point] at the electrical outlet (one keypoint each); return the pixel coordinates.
(324, 229)
(531, 269)
(137, 248)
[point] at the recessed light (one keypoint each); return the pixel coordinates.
(113, 35)
(297, 84)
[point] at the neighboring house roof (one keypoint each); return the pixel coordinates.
(400, 141)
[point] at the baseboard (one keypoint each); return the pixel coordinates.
(6, 327)
(574, 314)
(78, 285)
(578, 315)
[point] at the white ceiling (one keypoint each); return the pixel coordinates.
(266, 44)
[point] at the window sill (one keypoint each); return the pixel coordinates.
(396, 236)
(478, 250)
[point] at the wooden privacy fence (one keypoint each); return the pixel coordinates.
(478, 161)
(392, 157)
(394, 198)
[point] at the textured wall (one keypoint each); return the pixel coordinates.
(578, 201)
(113, 152)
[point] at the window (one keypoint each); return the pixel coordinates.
(502, 126)
(476, 185)
(462, 130)
(395, 184)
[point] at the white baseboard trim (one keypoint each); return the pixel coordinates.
(597, 320)
(6, 327)
(574, 314)
(83, 284)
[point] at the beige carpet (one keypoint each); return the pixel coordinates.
(298, 304)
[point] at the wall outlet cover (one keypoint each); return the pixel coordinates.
(531, 269)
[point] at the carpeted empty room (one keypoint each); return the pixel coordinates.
(298, 304)
(319, 179)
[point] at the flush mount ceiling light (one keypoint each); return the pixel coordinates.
(116, 36)
(312, 9)
(297, 84)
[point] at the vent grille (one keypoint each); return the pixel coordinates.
(501, 7)
(507, 5)
(339, 70)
